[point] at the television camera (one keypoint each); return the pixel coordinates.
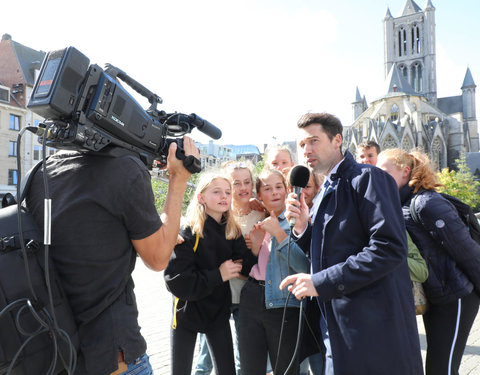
(87, 109)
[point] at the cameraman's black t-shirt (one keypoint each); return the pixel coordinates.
(99, 204)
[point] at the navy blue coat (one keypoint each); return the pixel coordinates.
(360, 272)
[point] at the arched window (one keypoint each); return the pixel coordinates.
(389, 142)
(399, 43)
(403, 70)
(417, 31)
(417, 77)
(404, 42)
(394, 113)
(406, 143)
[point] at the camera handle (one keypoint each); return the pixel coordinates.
(115, 72)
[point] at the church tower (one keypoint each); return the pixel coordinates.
(409, 42)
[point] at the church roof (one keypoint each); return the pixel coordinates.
(410, 8)
(395, 82)
(450, 104)
(468, 81)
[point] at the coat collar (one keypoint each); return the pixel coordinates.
(345, 165)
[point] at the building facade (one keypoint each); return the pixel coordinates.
(19, 66)
(409, 114)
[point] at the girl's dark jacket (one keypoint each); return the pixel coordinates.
(194, 277)
(452, 256)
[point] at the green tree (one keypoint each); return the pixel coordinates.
(160, 189)
(258, 167)
(461, 184)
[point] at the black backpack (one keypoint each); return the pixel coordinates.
(464, 211)
(31, 342)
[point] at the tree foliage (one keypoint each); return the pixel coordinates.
(160, 190)
(461, 184)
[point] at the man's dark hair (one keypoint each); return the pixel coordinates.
(331, 125)
(369, 144)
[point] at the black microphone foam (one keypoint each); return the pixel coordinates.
(299, 176)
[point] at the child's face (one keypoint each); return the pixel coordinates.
(281, 161)
(272, 193)
(367, 155)
(242, 185)
(310, 191)
(216, 198)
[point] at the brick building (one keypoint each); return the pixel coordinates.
(19, 66)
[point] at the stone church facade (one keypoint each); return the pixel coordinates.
(409, 114)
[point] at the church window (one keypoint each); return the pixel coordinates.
(406, 143)
(399, 43)
(417, 30)
(417, 77)
(394, 113)
(403, 70)
(404, 42)
(389, 142)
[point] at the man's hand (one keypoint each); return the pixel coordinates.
(298, 210)
(175, 166)
(230, 270)
(300, 284)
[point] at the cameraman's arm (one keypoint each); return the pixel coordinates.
(155, 250)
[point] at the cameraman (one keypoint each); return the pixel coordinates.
(103, 215)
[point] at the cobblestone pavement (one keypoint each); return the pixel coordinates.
(155, 305)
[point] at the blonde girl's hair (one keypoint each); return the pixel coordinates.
(267, 173)
(232, 165)
(422, 174)
(196, 214)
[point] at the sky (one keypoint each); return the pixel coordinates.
(250, 67)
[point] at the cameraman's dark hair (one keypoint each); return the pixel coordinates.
(331, 125)
(369, 144)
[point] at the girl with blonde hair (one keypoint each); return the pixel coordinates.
(213, 252)
(452, 256)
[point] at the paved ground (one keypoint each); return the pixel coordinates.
(155, 305)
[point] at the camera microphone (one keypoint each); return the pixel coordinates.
(205, 127)
(299, 176)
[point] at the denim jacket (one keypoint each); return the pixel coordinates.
(277, 268)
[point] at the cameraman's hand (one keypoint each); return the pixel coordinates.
(175, 166)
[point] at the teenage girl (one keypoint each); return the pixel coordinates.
(260, 317)
(242, 192)
(280, 158)
(198, 272)
(452, 256)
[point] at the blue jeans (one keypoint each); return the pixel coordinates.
(141, 366)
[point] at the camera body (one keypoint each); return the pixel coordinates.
(87, 109)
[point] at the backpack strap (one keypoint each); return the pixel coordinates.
(175, 302)
(413, 212)
(27, 180)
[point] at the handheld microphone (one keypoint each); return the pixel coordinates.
(299, 176)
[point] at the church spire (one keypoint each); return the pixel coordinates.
(358, 97)
(410, 8)
(429, 5)
(468, 81)
(388, 14)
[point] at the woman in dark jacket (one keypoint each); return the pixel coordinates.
(452, 256)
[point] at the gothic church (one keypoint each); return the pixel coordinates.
(409, 114)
